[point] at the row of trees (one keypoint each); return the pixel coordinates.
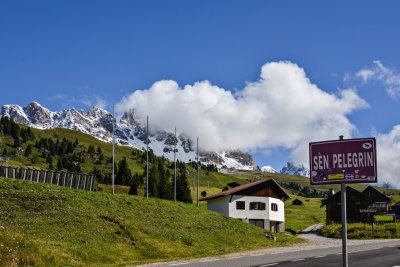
(305, 191)
(62, 154)
(160, 179)
(9, 127)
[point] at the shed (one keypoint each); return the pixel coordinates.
(297, 202)
(381, 201)
(355, 201)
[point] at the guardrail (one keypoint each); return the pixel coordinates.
(68, 179)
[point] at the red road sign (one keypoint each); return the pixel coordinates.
(343, 161)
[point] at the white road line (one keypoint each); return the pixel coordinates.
(209, 260)
(319, 257)
(180, 263)
(275, 263)
(298, 260)
(235, 257)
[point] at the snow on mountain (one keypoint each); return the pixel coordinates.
(268, 169)
(295, 169)
(129, 131)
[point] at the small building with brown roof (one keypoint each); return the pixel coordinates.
(381, 201)
(260, 203)
(355, 203)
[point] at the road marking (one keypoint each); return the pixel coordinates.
(255, 255)
(236, 257)
(298, 260)
(209, 260)
(275, 263)
(319, 257)
(180, 263)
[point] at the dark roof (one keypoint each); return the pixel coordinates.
(245, 186)
(233, 184)
(349, 190)
(381, 195)
(297, 201)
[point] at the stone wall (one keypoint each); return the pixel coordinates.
(68, 179)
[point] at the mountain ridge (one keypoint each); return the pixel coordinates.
(129, 131)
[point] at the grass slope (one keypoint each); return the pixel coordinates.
(43, 224)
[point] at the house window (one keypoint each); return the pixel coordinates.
(257, 206)
(240, 205)
(274, 207)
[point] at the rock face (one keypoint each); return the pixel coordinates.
(129, 131)
(296, 169)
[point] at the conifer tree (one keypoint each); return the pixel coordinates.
(182, 188)
(28, 150)
(153, 181)
(164, 185)
(124, 174)
(17, 143)
(134, 183)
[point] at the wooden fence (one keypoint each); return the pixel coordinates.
(68, 179)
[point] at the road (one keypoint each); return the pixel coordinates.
(319, 251)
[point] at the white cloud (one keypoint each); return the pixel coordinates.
(390, 78)
(388, 151)
(101, 103)
(282, 109)
(94, 101)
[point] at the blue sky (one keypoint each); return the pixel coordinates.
(66, 54)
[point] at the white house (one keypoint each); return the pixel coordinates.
(259, 203)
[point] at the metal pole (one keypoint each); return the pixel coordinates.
(194, 180)
(208, 186)
(175, 166)
(344, 222)
(147, 158)
(198, 177)
(113, 143)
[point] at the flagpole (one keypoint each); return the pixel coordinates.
(175, 166)
(198, 171)
(113, 143)
(147, 158)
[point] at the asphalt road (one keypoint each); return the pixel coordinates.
(377, 255)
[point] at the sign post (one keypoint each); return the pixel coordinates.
(340, 162)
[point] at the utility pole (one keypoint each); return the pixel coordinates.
(147, 158)
(344, 221)
(194, 180)
(113, 143)
(198, 177)
(175, 166)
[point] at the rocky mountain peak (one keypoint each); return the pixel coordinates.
(38, 114)
(128, 132)
(295, 169)
(131, 118)
(97, 112)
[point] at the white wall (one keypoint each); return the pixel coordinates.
(279, 215)
(219, 204)
(266, 214)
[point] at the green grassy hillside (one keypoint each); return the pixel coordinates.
(43, 224)
(211, 182)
